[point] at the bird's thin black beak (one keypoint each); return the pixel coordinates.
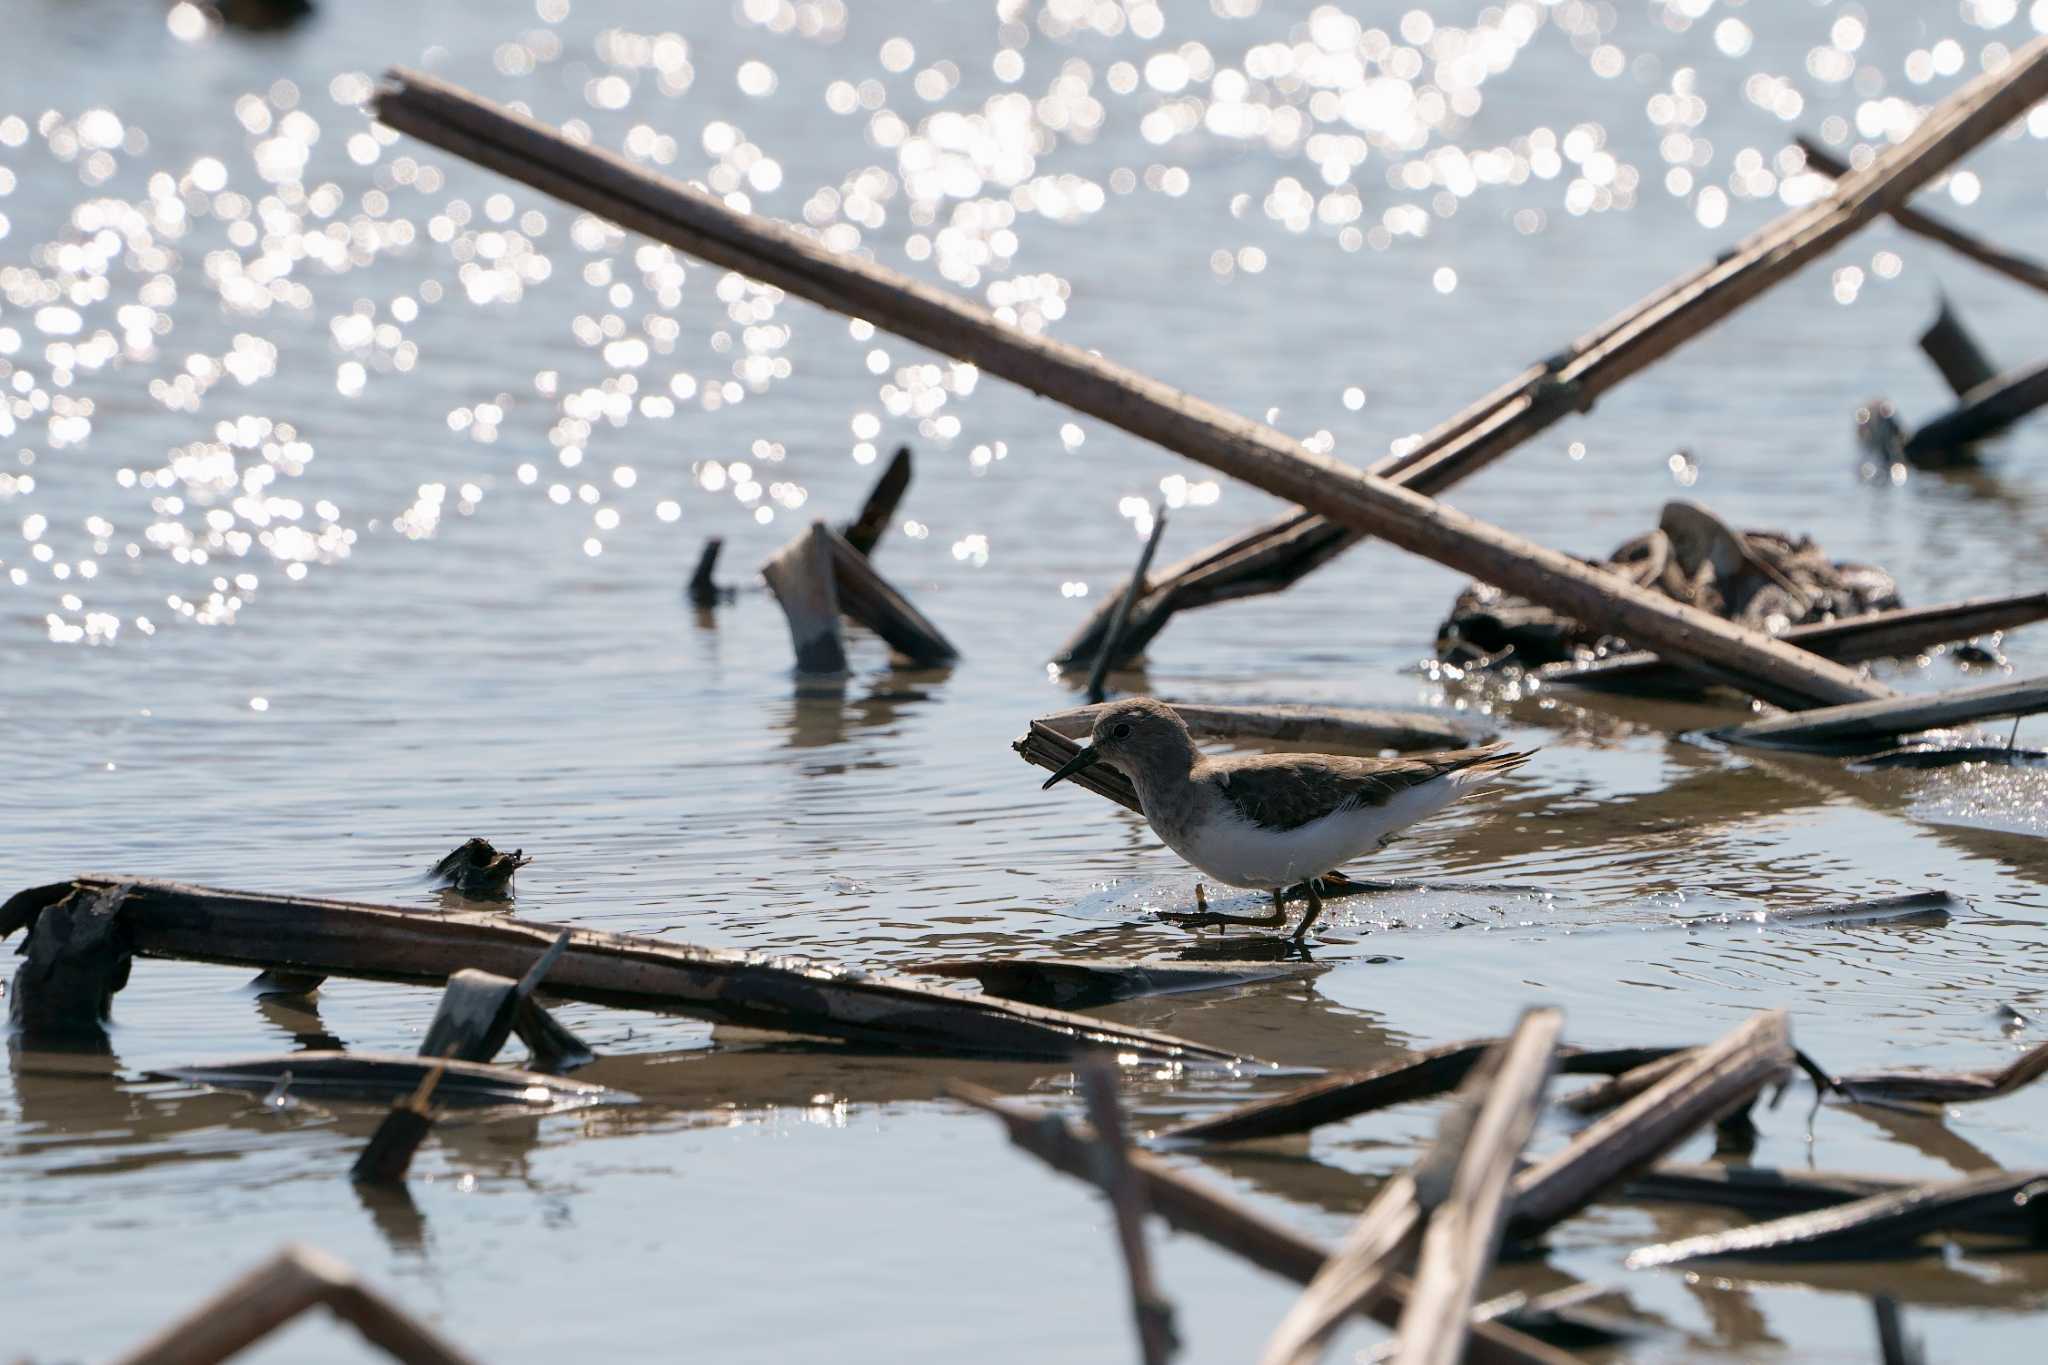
(1086, 758)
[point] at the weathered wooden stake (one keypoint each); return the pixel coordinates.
(801, 578)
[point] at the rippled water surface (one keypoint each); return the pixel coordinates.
(347, 492)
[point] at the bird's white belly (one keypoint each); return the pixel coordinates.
(1235, 851)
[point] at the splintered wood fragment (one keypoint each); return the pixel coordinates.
(1157, 1340)
(1113, 650)
(800, 575)
(1717, 1080)
(2006, 263)
(865, 531)
(296, 1279)
(1980, 414)
(867, 598)
(1883, 1225)
(76, 958)
(1955, 352)
(1225, 1221)
(1464, 1231)
(1851, 639)
(704, 589)
(776, 254)
(1333, 729)
(1944, 1087)
(780, 995)
(1864, 727)
(474, 1017)
(380, 1078)
(1071, 983)
(388, 1155)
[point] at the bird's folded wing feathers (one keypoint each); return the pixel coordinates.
(1286, 791)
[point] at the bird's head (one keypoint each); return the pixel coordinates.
(1134, 735)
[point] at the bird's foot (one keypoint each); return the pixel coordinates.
(1202, 917)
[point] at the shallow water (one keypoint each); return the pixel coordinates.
(468, 651)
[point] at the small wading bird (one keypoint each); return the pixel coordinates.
(1272, 821)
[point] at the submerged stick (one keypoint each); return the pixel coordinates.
(1893, 1345)
(294, 1280)
(782, 995)
(2009, 264)
(1980, 414)
(703, 590)
(1866, 726)
(1225, 1221)
(1882, 1225)
(1436, 1071)
(1113, 638)
(1945, 1087)
(1852, 639)
(388, 1155)
(868, 598)
(1259, 455)
(1715, 1081)
(1070, 983)
(1157, 1340)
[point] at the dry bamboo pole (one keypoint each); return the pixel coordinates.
(1157, 1340)
(1464, 1233)
(1226, 1221)
(294, 1280)
(1849, 639)
(779, 255)
(2007, 263)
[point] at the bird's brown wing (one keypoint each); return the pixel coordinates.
(1286, 791)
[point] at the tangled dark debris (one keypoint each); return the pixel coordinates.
(1766, 580)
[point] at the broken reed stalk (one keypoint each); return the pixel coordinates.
(1225, 1221)
(1157, 1340)
(295, 1279)
(865, 531)
(1717, 1079)
(1464, 1232)
(608, 185)
(388, 1155)
(2009, 264)
(1865, 726)
(1883, 1224)
(781, 995)
(703, 589)
(1851, 639)
(1112, 639)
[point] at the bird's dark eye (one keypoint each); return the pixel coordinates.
(1120, 730)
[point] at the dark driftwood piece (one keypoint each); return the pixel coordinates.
(1887, 1224)
(345, 938)
(1913, 220)
(1225, 1221)
(868, 599)
(388, 1155)
(296, 1279)
(1852, 639)
(77, 957)
(479, 1010)
(1072, 983)
(865, 531)
(696, 222)
(704, 590)
(378, 1078)
(1157, 1340)
(1336, 729)
(1715, 1081)
(1944, 1087)
(800, 575)
(1112, 649)
(1980, 414)
(1866, 726)
(478, 870)
(1464, 1232)
(1955, 352)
